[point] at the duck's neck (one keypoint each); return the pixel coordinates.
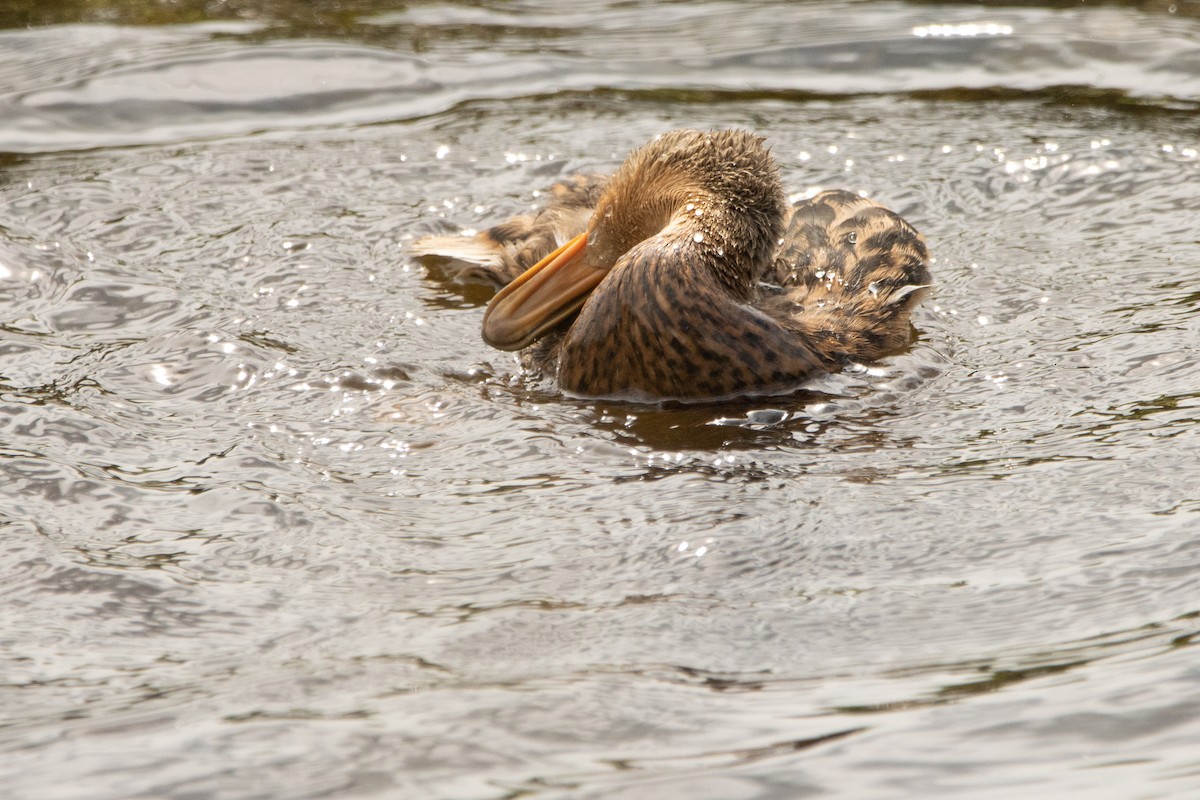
(715, 241)
(702, 191)
(689, 224)
(673, 322)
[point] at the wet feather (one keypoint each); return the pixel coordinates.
(713, 286)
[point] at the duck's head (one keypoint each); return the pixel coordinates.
(716, 192)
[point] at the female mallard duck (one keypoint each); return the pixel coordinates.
(688, 276)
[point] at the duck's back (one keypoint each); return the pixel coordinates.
(847, 275)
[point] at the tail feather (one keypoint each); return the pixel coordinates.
(501, 253)
(477, 249)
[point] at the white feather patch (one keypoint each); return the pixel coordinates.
(461, 248)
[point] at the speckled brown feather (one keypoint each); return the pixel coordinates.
(849, 272)
(501, 253)
(717, 287)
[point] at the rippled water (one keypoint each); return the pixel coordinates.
(276, 523)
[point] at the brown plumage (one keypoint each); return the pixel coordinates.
(501, 253)
(688, 276)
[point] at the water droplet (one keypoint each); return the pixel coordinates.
(766, 416)
(699, 237)
(691, 206)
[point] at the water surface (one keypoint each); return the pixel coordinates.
(276, 523)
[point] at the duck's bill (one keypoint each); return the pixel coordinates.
(547, 293)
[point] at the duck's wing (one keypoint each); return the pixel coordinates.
(847, 275)
(501, 253)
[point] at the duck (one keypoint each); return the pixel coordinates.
(688, 275)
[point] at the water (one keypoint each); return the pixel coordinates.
(276, 523)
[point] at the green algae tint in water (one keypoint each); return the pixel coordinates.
(276, 523)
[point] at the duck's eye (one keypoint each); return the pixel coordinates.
(852, 237)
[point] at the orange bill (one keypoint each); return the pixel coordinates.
(543, 296)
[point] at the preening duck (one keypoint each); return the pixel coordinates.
(687, 275)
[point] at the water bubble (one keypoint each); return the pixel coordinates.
(766, 416)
